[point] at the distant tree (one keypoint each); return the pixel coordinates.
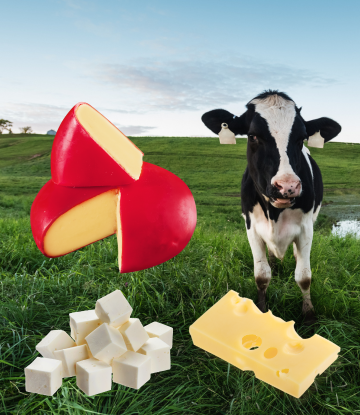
(10, 131)
(26, 130)
(4, 125)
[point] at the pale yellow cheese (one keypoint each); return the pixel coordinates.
(82, 225)
(112, 140)
(235, 330)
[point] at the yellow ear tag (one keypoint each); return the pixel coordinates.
(226, 136)
(316, 140)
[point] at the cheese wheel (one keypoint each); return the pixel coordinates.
(88, 150)
(154, 218)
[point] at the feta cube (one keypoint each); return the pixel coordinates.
(163, 332)
(113, 309)
(69, 357)
(54, 340)
(93, 376)
(83, 323)
(134, 334)
(132, 369)
(159, 351)
(106, 343)
(43, 376)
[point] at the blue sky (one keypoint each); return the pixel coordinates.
(154, 67)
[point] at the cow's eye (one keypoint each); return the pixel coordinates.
(252, 138)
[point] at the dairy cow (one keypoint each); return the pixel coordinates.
(282, 189)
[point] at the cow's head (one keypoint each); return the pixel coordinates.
(276, 132)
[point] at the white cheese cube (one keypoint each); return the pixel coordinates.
(54, 340)
(132, 369)
(106, 343)
(163, 332)
(113, 309)
(134, 334)
(159, 351)
(83, 323)
(69, 357)
(93, 376)
(43, 376)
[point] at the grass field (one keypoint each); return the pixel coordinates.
(37, 293)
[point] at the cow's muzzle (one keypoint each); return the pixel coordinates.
(283, 194)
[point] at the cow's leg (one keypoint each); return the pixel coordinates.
(262, 269)
(295, 251)
(272, 258)
(303, 272)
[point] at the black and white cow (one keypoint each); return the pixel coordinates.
(282, 189)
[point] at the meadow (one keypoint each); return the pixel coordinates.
(38, 293)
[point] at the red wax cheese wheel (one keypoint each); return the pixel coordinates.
(90, 151)
(154, 218)
(158, 218)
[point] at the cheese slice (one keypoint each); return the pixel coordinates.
(235, 330)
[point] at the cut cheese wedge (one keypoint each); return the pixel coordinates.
(89, 150)
(235, 330)
(154, 218)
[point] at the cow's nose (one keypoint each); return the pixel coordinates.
(288, 188)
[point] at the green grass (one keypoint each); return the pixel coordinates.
(38, 293)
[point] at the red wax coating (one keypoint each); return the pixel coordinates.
(158, 218)
(53, 201)
(77, 160)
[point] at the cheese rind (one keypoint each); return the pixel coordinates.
(106, 343)
(93, 376)
(134, 334)
(132, 369)
(162, 331)
(159, 352)
(235, 330)
(113, 309)
(83, 323)
(54, 340)
(43, 376)
(69, 357)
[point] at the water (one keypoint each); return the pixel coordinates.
(347, 227)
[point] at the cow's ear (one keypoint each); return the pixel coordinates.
(327, 127)
(213, 120)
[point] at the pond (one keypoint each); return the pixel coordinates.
(346, 227)
(345, 209)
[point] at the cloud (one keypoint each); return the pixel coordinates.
(197, 84)
(134, 129)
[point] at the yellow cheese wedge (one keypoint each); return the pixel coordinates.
(235, 330)
(90, 221)
(112, 140)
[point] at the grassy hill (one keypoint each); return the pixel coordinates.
(37, 293)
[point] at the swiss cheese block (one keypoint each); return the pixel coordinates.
(235, 330)
(90, 151)
(64, 219)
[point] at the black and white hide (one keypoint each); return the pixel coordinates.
(282, 189)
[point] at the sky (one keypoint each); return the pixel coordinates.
(154, 67)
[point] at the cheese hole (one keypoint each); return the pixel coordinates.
(282, 373)
(270, 353)
(294, 347)
(251, 341)
(241, 307)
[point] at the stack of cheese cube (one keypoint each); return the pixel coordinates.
(107, 342)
